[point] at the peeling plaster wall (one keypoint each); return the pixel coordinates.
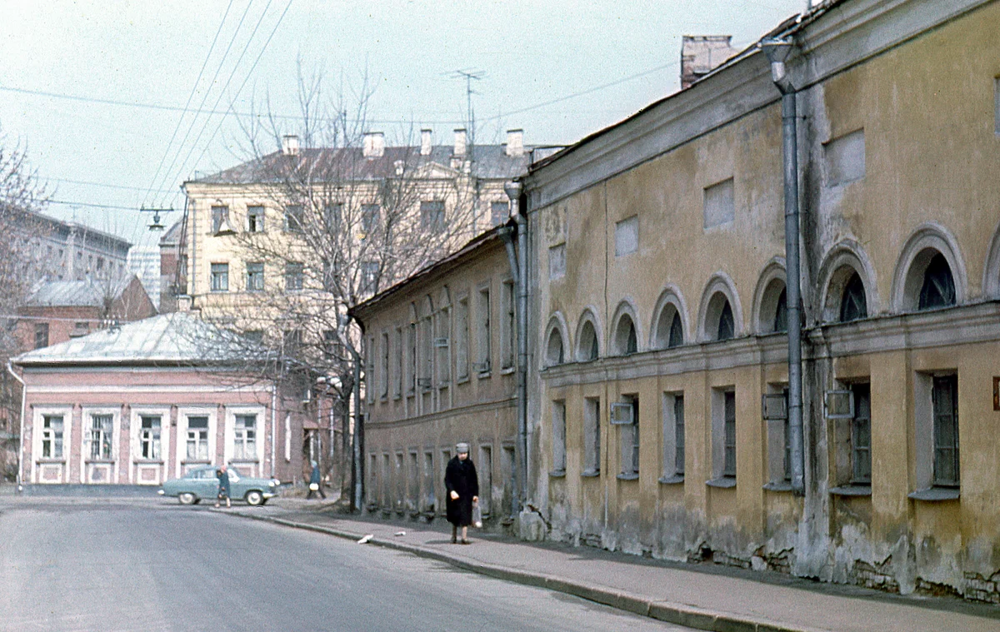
(924, 107)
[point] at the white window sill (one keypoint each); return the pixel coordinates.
(557, 474)
(141, 461)
(628, 477)
(851, 490)
(935, 494)
(484, 375)
(676, 479)
(463, 380)
(591, 473)
(726, 482)
(51, 459)
(507, 370)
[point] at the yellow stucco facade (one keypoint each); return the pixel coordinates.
(679, 210)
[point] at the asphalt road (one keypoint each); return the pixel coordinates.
(154, 565)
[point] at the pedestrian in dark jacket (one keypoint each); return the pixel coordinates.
(315, 482)
(223, 477)
(462, 485)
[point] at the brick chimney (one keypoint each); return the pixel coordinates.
(425, 142)
(515, 142)
(374, 145)
(701, 54)
(460, 142)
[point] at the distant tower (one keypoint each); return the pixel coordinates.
(701, 54)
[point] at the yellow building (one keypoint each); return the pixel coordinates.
(441, 369)
(336, 225)
(658, 420)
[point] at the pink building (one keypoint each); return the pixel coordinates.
(147, 401)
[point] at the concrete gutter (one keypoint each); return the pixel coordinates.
(670, 612)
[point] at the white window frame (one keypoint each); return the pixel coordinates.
(38, 413)
(229, 454)
(85, 427)
(183, 413)
(135, 440)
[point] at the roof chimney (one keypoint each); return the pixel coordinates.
(701, 54)
(374, 145)
(425, 142)
(290, 145)
(515, 142)
(460, 142)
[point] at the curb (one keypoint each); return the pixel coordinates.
(670, 612)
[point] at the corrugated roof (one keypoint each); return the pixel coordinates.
(86, 293)
(177, 338)
(491, 161)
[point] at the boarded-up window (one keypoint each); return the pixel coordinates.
(627, 236)
(719, 204)
(557, 261)
(845, 158)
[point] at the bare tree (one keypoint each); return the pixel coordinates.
(355, 215)
(21, 196)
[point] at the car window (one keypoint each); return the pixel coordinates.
(233, 476)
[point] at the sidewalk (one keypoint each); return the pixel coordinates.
(706, 598)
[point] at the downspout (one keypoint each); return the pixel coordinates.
(357, 473)
(777, 51)
(509, 234)
(513, 190)
(20, 435)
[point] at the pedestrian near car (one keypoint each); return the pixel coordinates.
(315, 482)
(224, 489)
(462, 485)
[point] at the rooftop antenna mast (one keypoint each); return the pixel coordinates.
(469, 75)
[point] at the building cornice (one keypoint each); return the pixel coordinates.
(833, 40)
(965, 325)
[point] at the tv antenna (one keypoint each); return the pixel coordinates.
(469, 75)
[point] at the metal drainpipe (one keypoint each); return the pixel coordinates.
(357, 471)
(777, 51)
(513, 190)
(508, 234)
(20, 436)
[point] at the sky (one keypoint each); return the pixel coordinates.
(118, 102)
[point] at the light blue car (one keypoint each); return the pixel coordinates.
(201, 482)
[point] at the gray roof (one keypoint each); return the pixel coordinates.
(86, 293)
(491, 162)
(177, 338)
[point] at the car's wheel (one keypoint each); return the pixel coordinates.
(255, 498)
(187, 498)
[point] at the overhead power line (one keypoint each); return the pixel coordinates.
(194, 89)
(222, 92)
(146, 105)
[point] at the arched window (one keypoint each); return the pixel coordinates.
(853, 304)
(781, 313)
(626, 341)
(588, 343)
(726, 326)
(938, 289)
(676, 338)
(554, 349)
(668, 330)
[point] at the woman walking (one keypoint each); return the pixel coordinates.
(462, 484)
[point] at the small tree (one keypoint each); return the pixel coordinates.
(21, 197)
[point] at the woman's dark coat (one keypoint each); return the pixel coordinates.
(223, 483)
(315, 478)
(460, 476)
